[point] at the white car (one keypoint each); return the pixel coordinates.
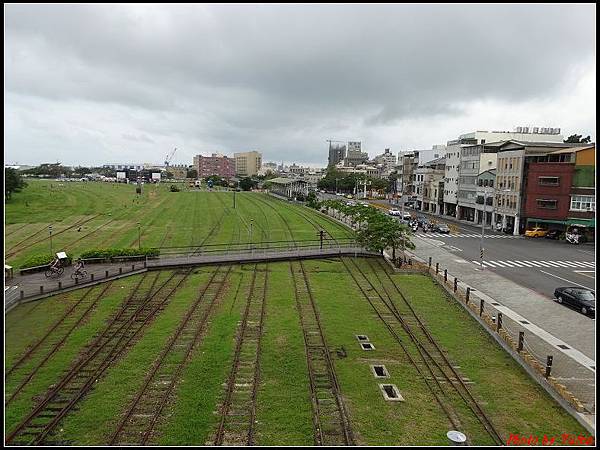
(407, 217)
(394, 212)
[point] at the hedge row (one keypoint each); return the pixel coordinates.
(41, 260)
(112, 252)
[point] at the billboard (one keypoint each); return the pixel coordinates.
(121, 175)
(156, 176)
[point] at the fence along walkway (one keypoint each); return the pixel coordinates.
(35, 286)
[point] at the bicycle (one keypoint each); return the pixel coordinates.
(80, 273)
(53, 272)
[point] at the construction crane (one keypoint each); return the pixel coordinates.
(169, 157)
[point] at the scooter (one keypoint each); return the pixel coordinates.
(572, 238)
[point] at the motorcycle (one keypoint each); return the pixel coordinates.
(573, 238)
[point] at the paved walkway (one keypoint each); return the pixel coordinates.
(36, 285)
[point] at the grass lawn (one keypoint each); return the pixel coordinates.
(108, 215)
(86, 215)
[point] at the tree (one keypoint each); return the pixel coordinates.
(12, 182)
(576, 139)
(169, 175)
(247, 183)
(192, 173)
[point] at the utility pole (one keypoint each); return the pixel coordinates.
(234, 199)
(482, 228)
(50, 231)
(139, 237)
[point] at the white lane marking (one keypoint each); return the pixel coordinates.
(564, 279)
(488, 263)
(518, 264)
(551, 263)
(509, 263)
(589, 264)
(528, 263)
(501, 264)
(534, 263)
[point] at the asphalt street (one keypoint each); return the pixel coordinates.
(536, 263)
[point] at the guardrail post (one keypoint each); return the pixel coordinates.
(521, 340)
(22, 295)
(132, 267)
(106, 273)
(499, 322)
(60, 284)
(437, 268)
(91, 276)
(455, 284)
(481, 308)
(41, 289)
(146, 261)
(468, 295)
(76, 280)
(430, 262)
(445, 275)
(548, 366)
(120, 270)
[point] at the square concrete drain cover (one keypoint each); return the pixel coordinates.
(367, 346)
(362, 337)
(379, 371)
(391, 393)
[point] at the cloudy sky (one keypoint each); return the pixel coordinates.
(99, 84)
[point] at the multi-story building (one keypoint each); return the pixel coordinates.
(429, 186)
(559, 189)
(247, 164)
(386, 161)
(179, 171)
(510, 179)
(337, 153)
(453, 159)
(484, 207)
(216, 164)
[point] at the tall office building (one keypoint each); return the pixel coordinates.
(247, 164)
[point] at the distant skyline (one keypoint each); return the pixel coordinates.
(100, 84)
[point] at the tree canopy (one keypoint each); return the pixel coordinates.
(577, 139)
(12, 182)
(247, 183)
(347, 182)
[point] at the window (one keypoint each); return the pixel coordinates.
(546, 204)
(548, 181)
(491, 183)
(583, 203)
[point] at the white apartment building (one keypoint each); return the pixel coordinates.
(453, 152)
(247, 164)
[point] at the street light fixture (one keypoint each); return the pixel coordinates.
(50, 231)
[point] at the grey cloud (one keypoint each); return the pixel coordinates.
(284, 78)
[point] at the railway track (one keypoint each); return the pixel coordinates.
(53, 340)
(430, 361)
(136, 313)
(330, 417)
(11, 252)
(143, 413)
(237, 414)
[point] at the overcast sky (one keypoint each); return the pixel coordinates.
(106, 84)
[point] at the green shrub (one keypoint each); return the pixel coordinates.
(42, 260)
(113, 252)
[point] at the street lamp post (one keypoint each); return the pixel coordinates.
(139, 236)
(251, 223)
(50, 231)
(336, 185)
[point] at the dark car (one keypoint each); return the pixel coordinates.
(442, 228)
(581, 299)
(553, 234)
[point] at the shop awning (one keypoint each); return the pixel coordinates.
(590, 223)
(559, 222)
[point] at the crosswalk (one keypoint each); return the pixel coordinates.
(518, 264)
(466, 235)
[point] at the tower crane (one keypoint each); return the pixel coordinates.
(169, 157)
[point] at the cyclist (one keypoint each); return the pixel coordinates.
(79, 266)
(55, 265)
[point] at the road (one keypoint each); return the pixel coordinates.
(536, 263)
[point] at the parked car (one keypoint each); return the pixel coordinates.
(581, 299)
(394, 212)
(442, 228)
(536, 232)
(553, 234)
(406, 217)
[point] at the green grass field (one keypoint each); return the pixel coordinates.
(514, 403)
(102, 215)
